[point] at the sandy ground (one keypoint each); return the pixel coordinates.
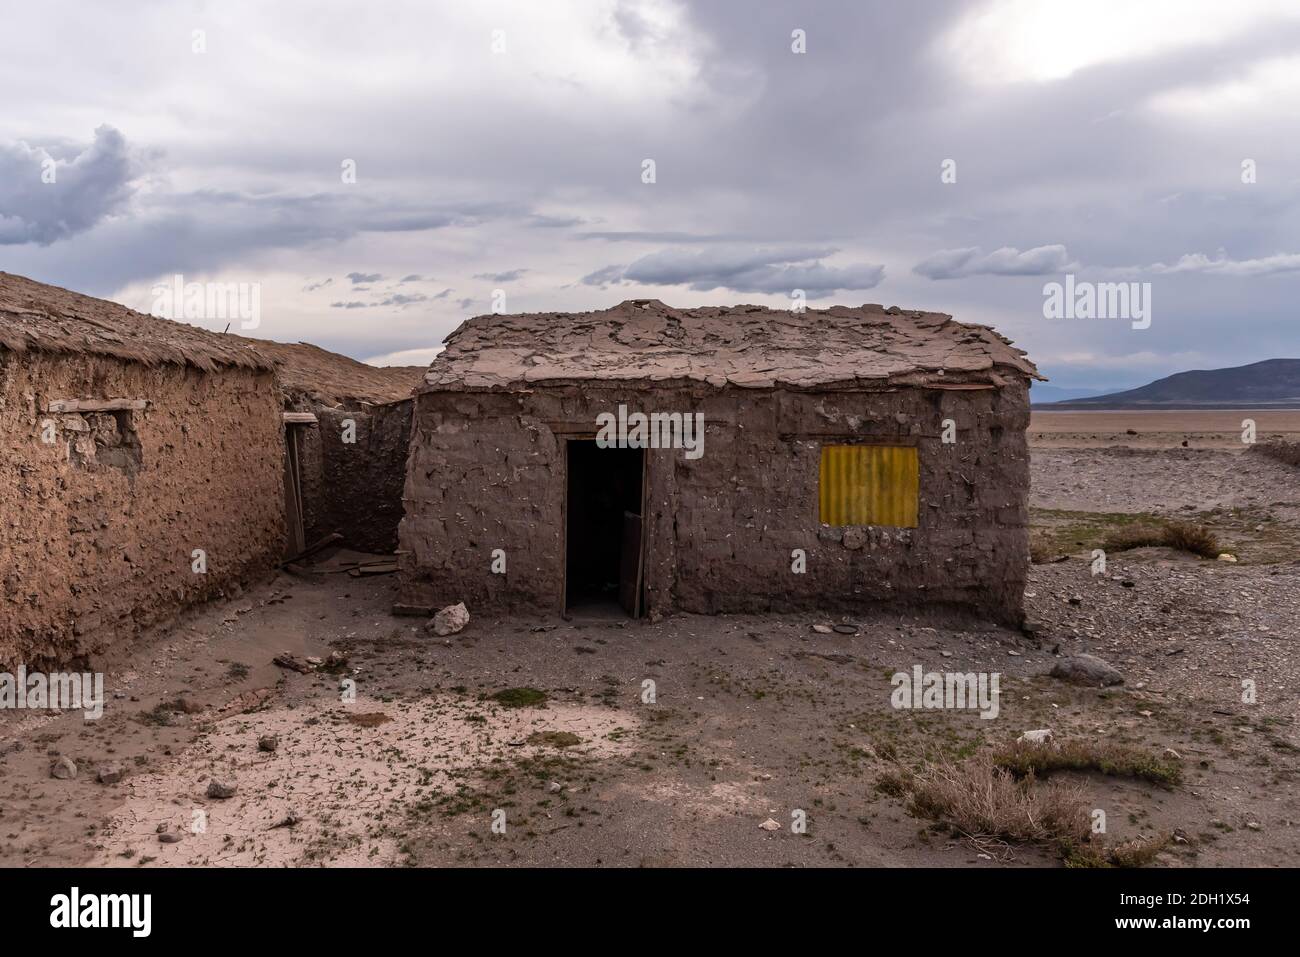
(1158, 429)
(751, 718)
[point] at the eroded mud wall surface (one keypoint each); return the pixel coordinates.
(100, 525)
(355, 487)
(486, 471)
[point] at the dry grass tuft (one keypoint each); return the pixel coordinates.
(1185, 536)
(1022, 759)
(996, 800)
(1138, 852)
(1282, 451)
(1041, 548)
(987, 803)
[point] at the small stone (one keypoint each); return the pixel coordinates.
(268, 742)
(1253, 825)
(169, 837)
(1226, 557)
(822, 629)
(770, 825)
(450, 620)
(110, 773)
(854, 538)
(846, 629)
(1087, 670)
(1041, 736)
(63, 768)
(220, 790)
(555, 787)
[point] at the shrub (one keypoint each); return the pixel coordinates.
(1184, 536)
(1023, 759)
(984, 801)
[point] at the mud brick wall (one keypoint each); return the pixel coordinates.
(97, 528)
(486, 471)
(355, 488)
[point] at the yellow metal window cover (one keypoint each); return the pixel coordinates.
(869, 485)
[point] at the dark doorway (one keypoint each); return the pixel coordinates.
(603, 568)
(293, 503)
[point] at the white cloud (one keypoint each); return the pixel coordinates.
(1271, 87)
(1223, 266)
(1129, 360)
(1012, 41)
(405, 357)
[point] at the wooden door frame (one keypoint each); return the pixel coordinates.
(295, 526)
(643, 558)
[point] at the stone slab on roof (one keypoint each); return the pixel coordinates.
(645, 340)
(35, 317)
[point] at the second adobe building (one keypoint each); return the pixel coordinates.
(826, 459)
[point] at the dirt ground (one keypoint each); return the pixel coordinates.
(410, 754)
(1157, 429)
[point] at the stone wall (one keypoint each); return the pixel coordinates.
(355, 488)
(99, 526)
(486, 471)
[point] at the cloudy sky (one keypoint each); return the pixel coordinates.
(946, 156)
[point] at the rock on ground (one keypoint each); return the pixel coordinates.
(221, 790)
(450, 620)
(1087, 670)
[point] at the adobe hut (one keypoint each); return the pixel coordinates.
(141, 470)
(346, 430)
(850, 457)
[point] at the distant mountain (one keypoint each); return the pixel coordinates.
(1041, 394)
(1271, 384)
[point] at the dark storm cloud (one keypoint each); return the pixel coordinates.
(400, 299)
(604, 277)
(1007, 261)
(772, 271)
(45, 196)
(508, 276)
(357, 278)
(540, 221)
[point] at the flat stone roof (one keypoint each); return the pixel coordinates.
(746, 346)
